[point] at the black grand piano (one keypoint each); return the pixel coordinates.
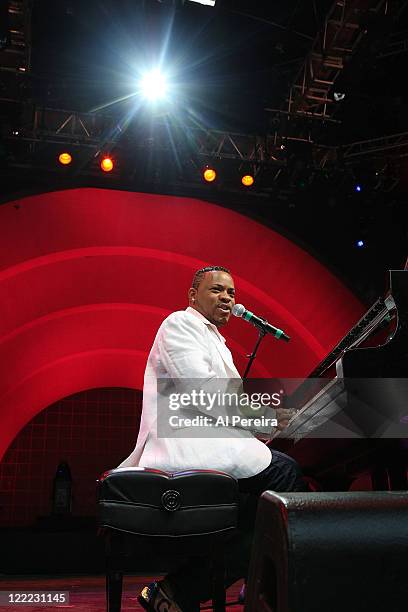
(376, 350)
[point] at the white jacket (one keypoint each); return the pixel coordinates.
(188, 346)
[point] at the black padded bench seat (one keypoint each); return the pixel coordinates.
(145, 513)
(161, 504)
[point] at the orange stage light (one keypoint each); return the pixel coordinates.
(247, 180)
(209, 174)
(107, 164)
(65, 158)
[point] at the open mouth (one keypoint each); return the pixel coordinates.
(225, 309)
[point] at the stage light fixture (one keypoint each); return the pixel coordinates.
(358, 188)
(154, 85)
(247, 180)
(65, 158)
(107, 164)
(205, 2)
(360, 244)
(209, 174)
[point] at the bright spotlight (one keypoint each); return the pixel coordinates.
(360, 243)
(358, 188)
(154, 85)
(107, 164)
(205, 2)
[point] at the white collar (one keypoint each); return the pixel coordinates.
(202, 318)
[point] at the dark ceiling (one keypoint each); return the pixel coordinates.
(231, 61)
(229, 64)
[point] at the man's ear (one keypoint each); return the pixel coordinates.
(192, 293)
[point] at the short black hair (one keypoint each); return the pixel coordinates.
(200, 273)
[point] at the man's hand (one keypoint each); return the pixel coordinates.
(283, 416)
(251, 412)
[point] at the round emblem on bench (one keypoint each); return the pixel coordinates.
(171, 500)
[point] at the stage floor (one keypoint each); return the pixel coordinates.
(87, 593)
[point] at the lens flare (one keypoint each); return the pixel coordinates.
(154, 85)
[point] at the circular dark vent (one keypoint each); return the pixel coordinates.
(171, 500)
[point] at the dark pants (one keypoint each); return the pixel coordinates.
(192, 582)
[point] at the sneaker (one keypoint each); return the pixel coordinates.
(157, 597)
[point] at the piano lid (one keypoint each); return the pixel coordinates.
(370, 328)
(321, 398)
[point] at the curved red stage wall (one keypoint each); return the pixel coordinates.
(87, 275)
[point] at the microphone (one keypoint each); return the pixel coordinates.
(240, 311)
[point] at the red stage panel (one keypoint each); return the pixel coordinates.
(87, 275)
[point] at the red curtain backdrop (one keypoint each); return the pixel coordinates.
(92, 431)
(87, 275)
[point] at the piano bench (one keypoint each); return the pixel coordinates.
(330, 551)
(152, 520)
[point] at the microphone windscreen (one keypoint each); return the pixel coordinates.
(238, 310)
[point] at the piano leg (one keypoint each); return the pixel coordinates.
(398, 477)
(389, 478)
(380, 478)
(390, 474)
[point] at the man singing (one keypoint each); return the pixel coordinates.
(188, 345)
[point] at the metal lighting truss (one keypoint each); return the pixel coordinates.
(386, 150)
(99, 131)
(397, 43)
(334, 46)
(395, 145)
(15, 55)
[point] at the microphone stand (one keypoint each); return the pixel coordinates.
(261, 334)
